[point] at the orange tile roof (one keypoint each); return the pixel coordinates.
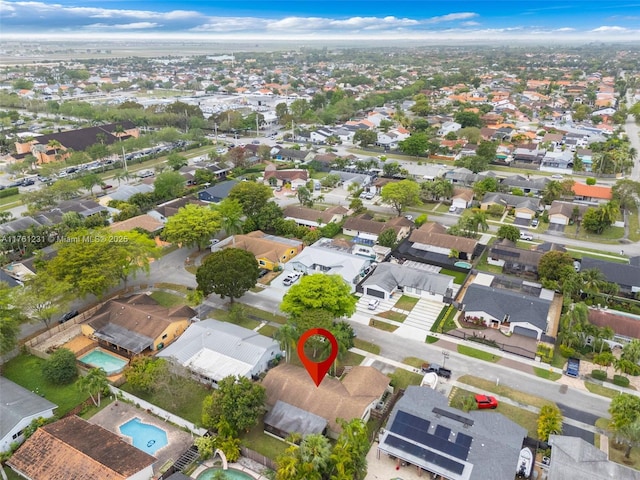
(593, 191)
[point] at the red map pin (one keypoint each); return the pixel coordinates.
(317, 370)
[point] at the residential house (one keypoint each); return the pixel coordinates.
(354, 396)
(165, 210)
(278, 178)
(433, 238)
(627, 277)
(390, 278)
(524, 207)
(462, 198)
(18, 408)
(321, 135)
(562, 213)
(136, 324)
(145, 222)
(125, 192)
(271, 251)
(347, 179)
(514, 260)
(527, 185)
(218, 192)
(392, 138)
(448, 127)
(626, 327)
(314, 218)
(461, 176)
(528, 154)
(291, 155)
(366, 230)
(323, 161)
(586, 156)
(594, 194)
(331, 258)
(573, 458)
(425, 432)
(526, 315)
(284, 419)
(212, 350)
(557, 162)
(75, 449)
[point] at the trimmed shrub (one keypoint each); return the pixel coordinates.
(7, 192)
(567, 352)
(599, 374)
(590, 181)
(621, 380)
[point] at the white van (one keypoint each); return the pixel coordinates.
(526, 236)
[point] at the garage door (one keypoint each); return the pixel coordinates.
(375, 293)
(558, 219)
(527, 332)
(526, 215)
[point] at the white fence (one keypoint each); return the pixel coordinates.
(159, 412)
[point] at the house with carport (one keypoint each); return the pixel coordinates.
(563, 213)
(366, 230)
(212, 350)
(18, 408)
(462, 198)
(525, 208)
(388, 279)
(271, 251)
(135, 324)
(593, 194)
(278, 178)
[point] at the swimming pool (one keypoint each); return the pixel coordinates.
(99, 358)
(230, 473)
(147, 438)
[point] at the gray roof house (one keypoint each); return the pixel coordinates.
(574, 459)
(424, 431)
(528, 185)
(387, 278)
(284, 419)
(18, 408)
(218, 192)
(626, 276)
(526, 315)
(213, 350)
(125, 192)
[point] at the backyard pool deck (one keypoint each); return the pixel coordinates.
(236, 466)
(120, 412)
(80, 344)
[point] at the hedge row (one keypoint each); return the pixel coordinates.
(7, 192)
(599, 374)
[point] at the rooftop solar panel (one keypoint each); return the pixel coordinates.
(443, 432)
(425, 455)
(464, 440)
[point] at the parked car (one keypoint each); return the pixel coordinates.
(68, 316)
(526, 236)
(557, 176)
(439, 370)
(370, 195)
(534, 222)
(452, 209)
(409, 217)
(291, 279)
(373, 303)
(486, 401)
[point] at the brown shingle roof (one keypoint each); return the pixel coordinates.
(171, 208)
(434, 234)
(364, 223)
(332, 399)
(623, 326)
(262, 247)
(305, 213)
(144, 222)
(74, 449)
(286, 175)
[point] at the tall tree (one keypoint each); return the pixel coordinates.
(229, 273)
(230, 216)
(549, 422)
(401, 195)
(252, 196)
(510, 232)
(168, 185)
(42, 297)
(94, 383)
(320, 291)
(624, 410)
(10, 319)
(192, 225)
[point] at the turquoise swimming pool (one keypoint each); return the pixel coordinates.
(100, 358)
(230, 473)
(146, 437)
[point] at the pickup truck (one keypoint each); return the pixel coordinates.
(437, 369)
(573, 367)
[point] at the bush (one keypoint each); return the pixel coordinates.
(7, 192)
(61, 367)
(567, 352)
(599, 374)
(620, 380)
(591, 181)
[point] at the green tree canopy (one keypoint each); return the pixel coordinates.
(192, 225)
(229, 273)
(552, 263)
(320, 291)
(365, 138)
(144, 373)
(401, 195)
(549, 422)
(510, 232)
(252, 196)
(234, 406)
(42, 297)
(417, 144)
(388, 238)
(624, 410)
(10, 319)
(60, 368)
(168, 185)
(94, 383)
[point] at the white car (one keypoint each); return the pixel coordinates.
(373, 303)
(409, 217)
(526, 236)
(290, 279)
(557, 176)
(452, 208)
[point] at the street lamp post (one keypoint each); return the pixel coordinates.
(445, 355)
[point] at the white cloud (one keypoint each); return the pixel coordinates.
(470, 23)
(565, 29)
(125, 26)
(451, 17)
(607, 28)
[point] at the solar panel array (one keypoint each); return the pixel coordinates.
(417, 429)
(426, 455)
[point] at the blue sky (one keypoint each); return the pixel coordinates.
(549, 20)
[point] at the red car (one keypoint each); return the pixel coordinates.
(486, 401)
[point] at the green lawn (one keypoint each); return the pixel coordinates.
(264, 315)
(479, 354)
(502, 390)
(634, 225)
(546, 373)
(391, 315)
(366, 346)
(485, 267)
(402, 378)
(11, 475)
(445, 320)
(609, 235)
(167, 299)
(431, 339)
(257, 440)
(459, 277)
(268, 331)
(172, 286)
(414, 361)
(223, 316)
(178, 395)
(380, 325)
(600, 390)
(26, 370)
(406, 302)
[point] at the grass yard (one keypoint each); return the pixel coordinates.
(524, 418)
(406, 302)
(485, 267)
(257, 440)
(634, 225)
(414, 361)
(459, 277)
(178, 395)
(168, 300)
(172, 286)
(546, 373)
(431, 339)
(268, 331)
(600, 390)
(609, 235)
(558, 360)
(366, 346)
(479, 354)
(402, 378)
(441, 208)
(264, 315)
(380, 325)
(391, 315)
(11, 475)
(224, 316)
(504, 391)
(26, 370)
(350, 359)
(446, 320)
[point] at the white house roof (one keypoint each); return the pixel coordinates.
(330, 261)
(18, 403)
(218, 348)
(390, 275)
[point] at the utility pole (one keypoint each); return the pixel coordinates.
(124, 159)
(215, 130)
(257, 132)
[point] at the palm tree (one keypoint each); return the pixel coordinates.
(55, 144)
(94, 382)
(629, 434)
(315, 450)
(287, 336)
(122, 175)
(119, 131)
(592, 280)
